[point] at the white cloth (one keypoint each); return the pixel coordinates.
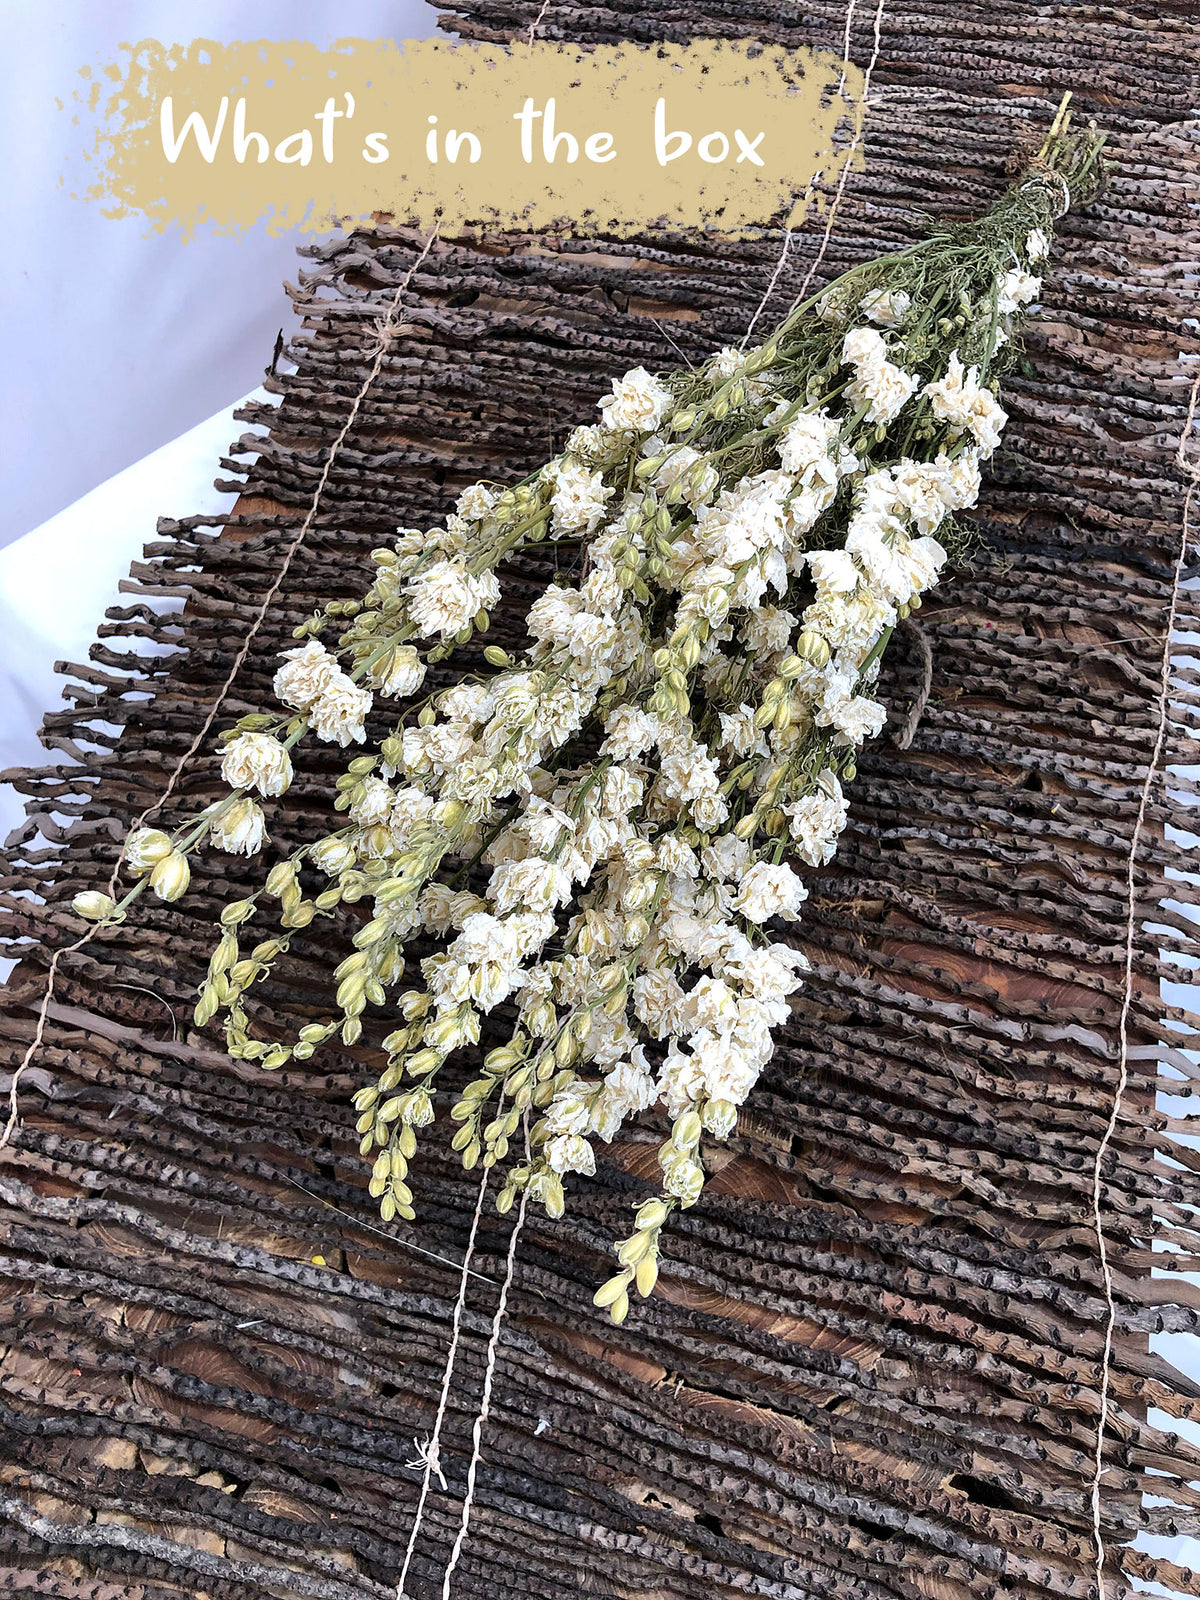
(117, 339)
(57, 582)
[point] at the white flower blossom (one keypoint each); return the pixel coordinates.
(886, 307)
(638, 402)
(960, 400)
(536, 884)
(878, 384)
(304, 675)
(373, 802)
(256, 761)
(856, 716)
(570, 1110)
(816, 820)
(959, 479)
(401, 672)
(738, 732)
(552, 615)
(571, 1153)
(475, 502)
(806, 444)
(833, 572)
(579, 499)
(864, 347)
(332, 856)
(681, 466)
(445, 598)
(338, 715)
(769, 629)
(1017, 288)
(629, 732)
(884, 389)
(769, 890)
(144, 849)
(595, 446)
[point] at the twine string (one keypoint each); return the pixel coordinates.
(486, 1401)
(537, 22)
(431, 1452)
(1162, 714)
(808, 191)
(843, 177)
(876, 45)
(907, 731)
(386, 330)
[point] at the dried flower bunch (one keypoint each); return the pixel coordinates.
(601, 835)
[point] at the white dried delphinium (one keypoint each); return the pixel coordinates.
(958, 398)
(256, 761)
(595, 844)
(886, 307)
(880, 386)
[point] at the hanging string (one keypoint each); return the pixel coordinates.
(835, 203)
(808, 189)
(386, 330)
(1162, 716)
(431, 1452)
(537, 22)
(488, 1379)
(845, 172)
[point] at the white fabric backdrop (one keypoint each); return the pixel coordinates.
(57, 581)
(115, 341)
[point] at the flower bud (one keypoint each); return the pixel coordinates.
(281, 877)
(632, 1250)
(171, 876)
(400, 672)
(449, 813)
(241, 830)
(646, 1275)
(503, 1057)
(93, 905)
(144, 848)
(720, 1117)
(812, 648)
(611, 1291)
(686, 1130)
(652, 1214)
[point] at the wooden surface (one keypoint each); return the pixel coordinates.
(872, 1368)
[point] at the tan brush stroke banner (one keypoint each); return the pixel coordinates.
(721, 135)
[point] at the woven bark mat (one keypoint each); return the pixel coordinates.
(873, 1365)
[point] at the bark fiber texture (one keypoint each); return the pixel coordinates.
(872, 1368)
